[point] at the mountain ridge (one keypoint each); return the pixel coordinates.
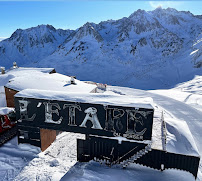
(147, 46)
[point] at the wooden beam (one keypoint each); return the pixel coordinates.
(47, 138)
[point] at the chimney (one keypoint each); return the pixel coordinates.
(2, 70)
(15, 65)
(72, 80)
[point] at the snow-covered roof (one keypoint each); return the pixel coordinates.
(39, 78)
(94, 98)
(44, 70)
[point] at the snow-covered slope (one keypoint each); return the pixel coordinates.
(197, 52)
(145, 50)
(189, 92)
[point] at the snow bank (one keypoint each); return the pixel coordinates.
(175, 94)
(179, 138)
(54, 162)
(98, 98)
(178, 117)
(20, 69)
(192, 86)
(5, 110)
(189, 93)
(14, 157)
(94, 171)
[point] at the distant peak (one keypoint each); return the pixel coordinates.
(16, 33)
(35, 31)
(45, 27)
(88, 29)
(159, 7)
(171, 9)
(140, 11)
(137, 13)
(88, 24)
(173, 13)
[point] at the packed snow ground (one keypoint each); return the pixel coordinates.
(59, 160)
(14, 157)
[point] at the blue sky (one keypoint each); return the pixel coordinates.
(73, 14)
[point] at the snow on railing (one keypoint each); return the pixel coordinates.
(163, 131)
(127, 161)
(136, 156)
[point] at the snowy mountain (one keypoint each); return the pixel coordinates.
(146, 50)
(31, 45)
(197, 52)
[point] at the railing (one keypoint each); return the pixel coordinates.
(164, 135)
(111, 152)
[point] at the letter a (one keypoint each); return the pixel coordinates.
(91, 115)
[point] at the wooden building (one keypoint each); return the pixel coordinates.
(42, 79)
(10, 96)
(10, 91)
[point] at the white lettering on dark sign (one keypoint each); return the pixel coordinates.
(111, 116)
(72, 113)
(112, 119)
(49, 111)
(23, 111)
(132, 121)
(91, 115)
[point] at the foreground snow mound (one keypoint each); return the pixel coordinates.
(95, 172)
(54, 162)
(179, 137)
(14, 157)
